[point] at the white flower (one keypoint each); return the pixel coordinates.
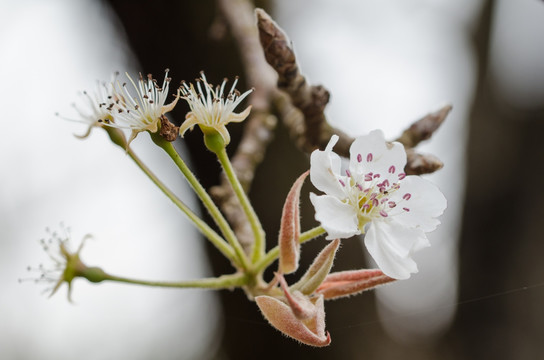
(211, 109)
(96, 109)
(375, 197)
(142, 111)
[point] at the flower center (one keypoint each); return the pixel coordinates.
(370, 193)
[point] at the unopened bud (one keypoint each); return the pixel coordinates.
(318, 271)
(290, 229)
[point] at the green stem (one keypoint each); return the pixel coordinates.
(118, 138)
(256, 227)
(205, 198)
(221, 282)
(208, 232)
(275, 252)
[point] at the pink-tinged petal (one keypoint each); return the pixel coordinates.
(424, 201)
(325, 169)
(377, 156)
(318, 270)
(300, 304)
(290, 229)
(280, 316)
(391, 246)
(233, 117)
(337, 218)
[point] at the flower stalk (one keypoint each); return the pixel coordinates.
(256, 227)
(274, 253)
(204, 229)
(118, 138)
(213, 210)
(221, 282)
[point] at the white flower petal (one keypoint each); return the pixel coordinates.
(325, 169)
(370, 153)
(425, 203)
(391, 246)
(337, 218)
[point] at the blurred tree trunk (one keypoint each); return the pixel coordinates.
(502, 235)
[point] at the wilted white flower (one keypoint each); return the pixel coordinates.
(375, 197)
(64, 265)
(95, 110)
(212, 109)
(143, 110)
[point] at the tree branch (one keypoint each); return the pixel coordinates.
(311, 130)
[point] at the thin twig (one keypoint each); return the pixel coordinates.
(419, 131)
(424, 128)
(315, 132)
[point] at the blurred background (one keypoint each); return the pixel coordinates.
(479, 292)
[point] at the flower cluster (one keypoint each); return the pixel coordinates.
(372, 196)
(376, 198)
(142, 107)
